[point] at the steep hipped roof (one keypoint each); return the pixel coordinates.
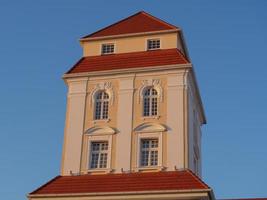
(129, 60)
(138, 23)
(125, 182)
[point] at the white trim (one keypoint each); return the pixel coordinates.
(149, 127)
(107, 43)
(156, 84)
(149, 135)
(107, 87)
(155, 38)
(100, 130)
(158, 193)
(129, 70)
(95, 138)
(130, 34)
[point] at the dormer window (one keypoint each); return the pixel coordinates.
(107, 49)
(153, 44)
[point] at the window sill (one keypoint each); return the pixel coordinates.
(153, 49)
(104, 170)
(150, 168)
(101, 120)
(151, 117)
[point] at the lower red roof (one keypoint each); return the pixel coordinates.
(125, 182)
(129, 60)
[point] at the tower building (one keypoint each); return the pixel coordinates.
(133, 119)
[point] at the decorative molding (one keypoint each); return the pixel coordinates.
(149, 127)
(156, 83)
(107, 86)
(100, 130)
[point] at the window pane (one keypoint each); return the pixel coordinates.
(154, 158)
(154, 108)
(105, 110)
(99, 155)
(144, 158)
(149, 152)
(94, 160)
(150, 106)
(146, 106)
(101, 105)
(98, 110)
(153, 44)
(107, 48)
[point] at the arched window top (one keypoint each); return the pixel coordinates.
(102, 95)
(150, 91)
(150, 87)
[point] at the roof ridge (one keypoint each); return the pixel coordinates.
(180, 52)
(124, 19)
(159, 20)
(52, 180)
(196, 177)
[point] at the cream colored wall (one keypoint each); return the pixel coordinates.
(125, 115)
(90, 122)
(125, 123)
(130, 44)
(194, 125)
(176, 121)
(74, 125)
(138, 119)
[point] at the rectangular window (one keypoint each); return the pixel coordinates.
(149, 152)
(107, 48)
(153, 44)
(99, 155)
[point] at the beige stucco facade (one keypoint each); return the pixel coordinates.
(175, 128)
(175, 110)
(134, 43)
(177, 125)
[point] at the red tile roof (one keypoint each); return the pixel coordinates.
(131, 182)
(129, 60)
(137, 23)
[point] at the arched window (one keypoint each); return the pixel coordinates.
(101, 105)
(150, 106)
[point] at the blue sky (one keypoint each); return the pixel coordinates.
(227, 43)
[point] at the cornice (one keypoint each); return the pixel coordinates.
(129, 35)
(128, 70)
(158, 192)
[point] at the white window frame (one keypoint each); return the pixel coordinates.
(153, 39)
(109, 43)
(102, 106)
(99, 138)
(150, 103)
(140, 137)
(99, 152)
(149, 150)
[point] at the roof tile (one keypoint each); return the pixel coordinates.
(176, 180)
(137, 23)
(129, 60)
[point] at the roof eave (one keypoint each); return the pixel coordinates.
(129, 35)
(156, 192)
(128, 70)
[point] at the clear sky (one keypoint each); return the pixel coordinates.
(227, 43)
